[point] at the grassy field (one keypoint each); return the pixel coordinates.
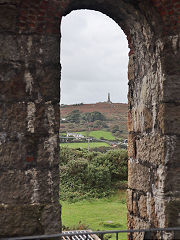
(84, 145)
(99, 214)
(99, 134)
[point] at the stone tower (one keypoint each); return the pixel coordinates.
(109, 99)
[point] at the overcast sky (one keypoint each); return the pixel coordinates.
(94, 59)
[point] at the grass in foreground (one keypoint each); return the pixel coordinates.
(84, 145)
(98, 214)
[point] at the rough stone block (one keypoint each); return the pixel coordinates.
(42, 49)
(48, 151)
(135, 207)
(131, 68)
(150, 148)
(131, 145)
(23, 152)
(19, 220)
(32, 186)
(10, 51)
(140, 119)
(48, 80)
(45, 119)
(51, 218)
(11, 2)
(148, 119)
(12, 85)
(12, 153)
(130, 121)
(142, 205)
(169, 118)
(8, 18)
(138, 176)
(137, 223)
(173, 210)
(13, 118)
(172, 153)
(129, 200)
(171, 88)
(29, 219)
(33, 82)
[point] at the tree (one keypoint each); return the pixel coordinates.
(115, 129)
(93, 116)
(74, 116)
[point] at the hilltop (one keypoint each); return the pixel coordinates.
(115, 115)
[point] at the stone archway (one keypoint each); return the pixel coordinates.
(29, 37)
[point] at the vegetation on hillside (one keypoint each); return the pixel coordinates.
(86, 174)
(76, 116)
(90, 117)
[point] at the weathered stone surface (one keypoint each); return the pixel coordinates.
(137, 223)
(31, 186)
(51, 219)
(13, 118)
(129, 200)
(132, 145)
(172, 153)
(142, 205)
(33, 82)
(20, 220)
(12, 85)
(8, 18)
(169, 123)
(42, 152)
(42, 49)
(31, 219)
(173, 210)
(11, 2)
(131, 70)
(139, 177)
(150, 148)
(172, 86)
(135, 207)
(23, 118)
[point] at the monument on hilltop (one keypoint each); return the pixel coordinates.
(109, 99)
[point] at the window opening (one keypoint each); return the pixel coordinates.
(93, 130)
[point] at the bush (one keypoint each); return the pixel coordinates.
(91, 174)
(115, 129)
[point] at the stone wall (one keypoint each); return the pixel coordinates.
(29, 123)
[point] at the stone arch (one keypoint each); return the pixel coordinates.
(29, 61)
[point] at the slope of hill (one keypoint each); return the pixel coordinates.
(103, 107)
(115, 113)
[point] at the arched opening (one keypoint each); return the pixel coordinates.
(94, 60)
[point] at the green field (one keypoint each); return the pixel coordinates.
(99, 214)
(99, 134)
(84, 145)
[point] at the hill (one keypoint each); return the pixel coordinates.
(115, 115)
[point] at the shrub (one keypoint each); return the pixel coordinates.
(91, 174)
